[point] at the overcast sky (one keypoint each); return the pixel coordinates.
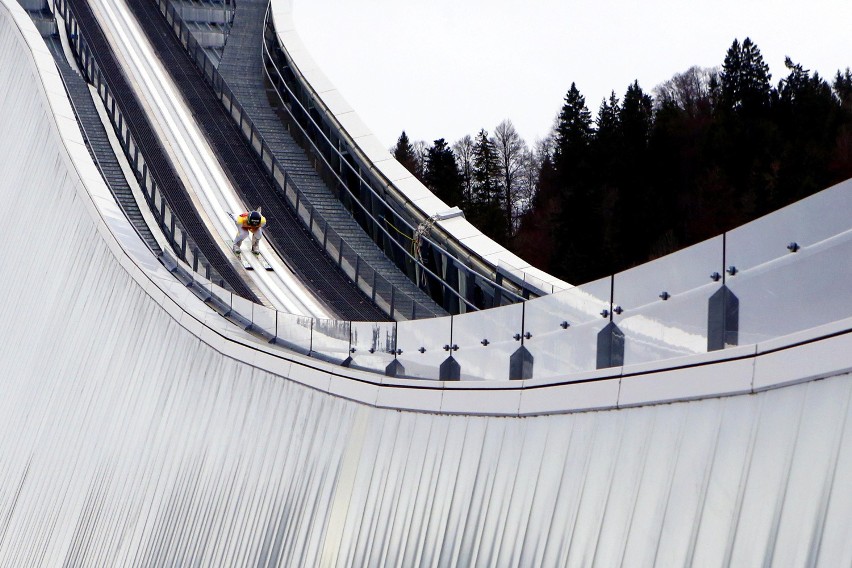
(446, 68)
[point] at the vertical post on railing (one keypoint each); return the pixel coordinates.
(610, 340)
(521, 361)
(723, 311)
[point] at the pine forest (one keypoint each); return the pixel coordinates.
(650, 172)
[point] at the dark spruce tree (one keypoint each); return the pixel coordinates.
(442, 174)
(406, 155)
(607, 149)
(577, 225)
(637, 215)
(809, 117)
(486, 210)
(746, 139)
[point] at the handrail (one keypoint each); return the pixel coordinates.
(92, 153)
(390, 206)
(379, 226)
(271, 163)
(356, 172)
(167, 221)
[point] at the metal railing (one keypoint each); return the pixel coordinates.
(778, 275)
(447, 279)
(387, 296)
(374, 209)
(782, 274)
(168, 223)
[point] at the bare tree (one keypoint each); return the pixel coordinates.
(690, 90)
(463, 150)
(421, 153)
(527, 183)
(511, 153)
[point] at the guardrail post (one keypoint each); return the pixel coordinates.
(723, 319)
(521, 361)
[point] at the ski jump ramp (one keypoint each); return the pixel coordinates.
(139, 427)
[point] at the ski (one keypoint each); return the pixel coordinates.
(241, 256)
(263, 262)
(244, 261)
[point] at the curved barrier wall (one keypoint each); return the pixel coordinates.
(141, 428)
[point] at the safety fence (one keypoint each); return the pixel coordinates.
(786, 272)
(167, 221)
(783, 273)
(446, 278)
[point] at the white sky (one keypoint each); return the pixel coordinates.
(446, 68)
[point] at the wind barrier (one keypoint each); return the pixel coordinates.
(783, 273)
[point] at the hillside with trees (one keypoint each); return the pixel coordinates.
(650, 173)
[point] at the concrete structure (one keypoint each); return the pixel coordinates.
(141, 428)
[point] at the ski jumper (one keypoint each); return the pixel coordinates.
(243, 230)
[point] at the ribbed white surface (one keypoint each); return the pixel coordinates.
(125, 440)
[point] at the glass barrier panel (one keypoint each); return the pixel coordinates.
(303, 211)
(330, 340)
(366, 276)
(333, 245)
(383, 294)
(538, 283)
(795, 292)
(348, 260)
(665, 303)
(263, 318)
(805, 223)
(202, 283)
(242, 307)
(564, 329)
(278, 174)
(290, 192)
(374, 344)
(666, 329)
(293, 331)
(486, 341)
(404, 306)
(318, 228)
(421, 343)
(220, 303)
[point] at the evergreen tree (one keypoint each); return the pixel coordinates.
(573, 133)
(405, 154)
(843, 89)
(487, 210)
(608, 120)
(607, 162)
(637, 213)
(809, 117)
(731, 76)
(442, 174)
(576, 226)
(745, 79)
(534, 241)
(755, 88)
